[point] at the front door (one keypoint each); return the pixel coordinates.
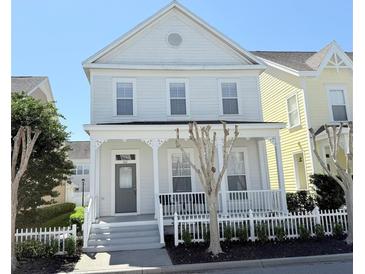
(125, 188)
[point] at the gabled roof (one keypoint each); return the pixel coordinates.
(30, 84)
(79, 150)
(174, 5)
(303, 61)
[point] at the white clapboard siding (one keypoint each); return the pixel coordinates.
(46, 235)
(198, 225)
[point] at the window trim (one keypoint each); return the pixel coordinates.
(124, 80)
(187, 97)
(171, 151)
(220, 97)
(342, 87)
(291, 95)
(80, 163)
(247, 167)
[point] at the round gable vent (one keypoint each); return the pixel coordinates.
(174, 39)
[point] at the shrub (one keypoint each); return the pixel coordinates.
(206, 236)
(228, 233)
(30, 249)
(303, 233)
(261, 232)
(242, 234)
(70, 246)
(300, 201)
(52, 247)
(280, 233)
(328, 193)
(319, 231)
(77, 217)
(337, 231)
(186, 237)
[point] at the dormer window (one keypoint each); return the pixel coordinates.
(229, 98)
(124, 92)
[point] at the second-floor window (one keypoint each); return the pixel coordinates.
(81, 169)
(229, 98)
(338, 104)
(177, 92)
(293, 111)
(124, 98)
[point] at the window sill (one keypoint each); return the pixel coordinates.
(294, 128)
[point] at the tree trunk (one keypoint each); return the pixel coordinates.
(349, 206)
(14, 209)
(214, 246)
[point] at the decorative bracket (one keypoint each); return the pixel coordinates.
(154, 143)
(98, 142)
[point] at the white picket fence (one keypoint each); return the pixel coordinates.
(198, 225)
(46, 235)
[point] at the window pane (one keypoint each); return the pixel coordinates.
(125, 177)
(229, 90)
(293, 118)
(292, 103)
(236, 163)
(124, 90)
(124, 106)
(178, 106)
(180, 165)
(181, 184)
(125, 157)
(236, 183)
(79, 170)
(337, 97)
(230, 106)
(73, 171)
(339, 113)
(177, 90)
(86, 169)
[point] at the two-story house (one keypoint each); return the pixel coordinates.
(171, 69)
(305, 90)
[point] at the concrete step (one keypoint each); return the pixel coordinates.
(122, 234)
(118, 241)
(102, 248)
(105, 229)
(122, 224)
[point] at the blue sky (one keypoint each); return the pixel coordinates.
(52, 38)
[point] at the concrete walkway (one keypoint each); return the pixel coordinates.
(123, 260)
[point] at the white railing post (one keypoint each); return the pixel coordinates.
(316, 215)
(161, 228)
(252, 225)
(176, 236)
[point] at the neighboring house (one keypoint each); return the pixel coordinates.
(39, 88)
(305, 90)
(35, 86)
(80, 157)
(171, 69)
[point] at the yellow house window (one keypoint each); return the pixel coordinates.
(293, 111)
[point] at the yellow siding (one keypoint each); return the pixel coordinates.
(276, 86)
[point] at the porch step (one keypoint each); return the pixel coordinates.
(123, 236)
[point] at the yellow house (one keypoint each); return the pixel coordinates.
(304, 90)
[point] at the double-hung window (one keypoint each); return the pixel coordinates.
(124, 98)
(236, 171)
(177, 92)
(181, 172)
(81, 169)
(293, 111)
(229, 98)
(338, 104)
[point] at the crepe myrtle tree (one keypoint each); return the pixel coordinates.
(344, 173)
(205, 144)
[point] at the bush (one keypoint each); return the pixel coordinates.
(337, 231)
(228, 233)
(261, 232)
(77, 217)
(300, 201)
(242, 234)
(52, 247)
(70, 246)
(303, 233)
(186, 237)
(319, 231)
(206, 236)
(328, 193)
(30, 249)
(280, 233)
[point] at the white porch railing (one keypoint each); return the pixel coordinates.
(89, 218)
(193, 203)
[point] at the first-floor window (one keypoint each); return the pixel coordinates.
(181, 173)
(236, 173)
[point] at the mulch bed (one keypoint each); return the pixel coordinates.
(235, 250)
(53, 264)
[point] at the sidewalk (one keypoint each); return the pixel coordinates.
(158, 261)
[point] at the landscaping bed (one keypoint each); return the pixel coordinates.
(236, 250)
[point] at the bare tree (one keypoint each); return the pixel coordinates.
(206, 147)
(345, 173)
(23, 144)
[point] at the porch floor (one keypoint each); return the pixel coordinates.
(121, 219)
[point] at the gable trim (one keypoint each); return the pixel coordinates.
(244, 54)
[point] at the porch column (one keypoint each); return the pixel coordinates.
(279, 166)
(220, 155)
(155, 144)
(265, 182)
